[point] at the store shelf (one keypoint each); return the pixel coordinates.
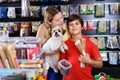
(93, 35)
(10, 4)
(38, 3)
(93, 18)
(20, 19)
(112, 71)
(35, 3)
(94, 1)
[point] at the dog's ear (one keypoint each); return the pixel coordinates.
(63, 31)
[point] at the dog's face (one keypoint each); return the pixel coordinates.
(57, 32)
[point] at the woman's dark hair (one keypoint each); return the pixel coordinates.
(74, 17)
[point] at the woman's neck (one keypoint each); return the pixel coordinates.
(47, 26)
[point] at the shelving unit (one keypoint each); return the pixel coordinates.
(113, 70)
(17, 5)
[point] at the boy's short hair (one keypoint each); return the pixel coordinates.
(74, 17)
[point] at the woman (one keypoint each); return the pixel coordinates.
(52, 18)
(78, 44)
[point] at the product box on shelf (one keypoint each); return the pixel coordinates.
(29, 73)
(32, 64)
(15, 71)
(26, 47)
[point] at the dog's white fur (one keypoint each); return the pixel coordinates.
(53, 44)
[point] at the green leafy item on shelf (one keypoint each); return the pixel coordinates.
(90, 9)
(102, 27)
(99, 10)
(101, 43)
(102, 76)
(83, 9)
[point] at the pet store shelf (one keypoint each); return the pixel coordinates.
(102, 35)
(113, 71)
(10, 4)
(94, 1)
(93, 18)
(38, 3)
(20, 19)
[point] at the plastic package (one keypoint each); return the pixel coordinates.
(65, 10)
(102, 27)
(3, 12)
(74, 9)
(11, 12)
(65, 67)
(25, 5)
(64, 0)
(113, 58)
(100, 10)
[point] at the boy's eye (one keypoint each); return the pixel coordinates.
(77, 23)
(71, 25)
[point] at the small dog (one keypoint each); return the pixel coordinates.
(53, 44)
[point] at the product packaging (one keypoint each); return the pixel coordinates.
(65, 66)
(4, 59)
(102, 76)
(102, 27)
(11, 55)
(80, 44)
(83, 9)
(99, 10)
(74, 9)
(101, 43)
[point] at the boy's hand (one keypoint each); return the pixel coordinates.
(81, 43)
(84, 59)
